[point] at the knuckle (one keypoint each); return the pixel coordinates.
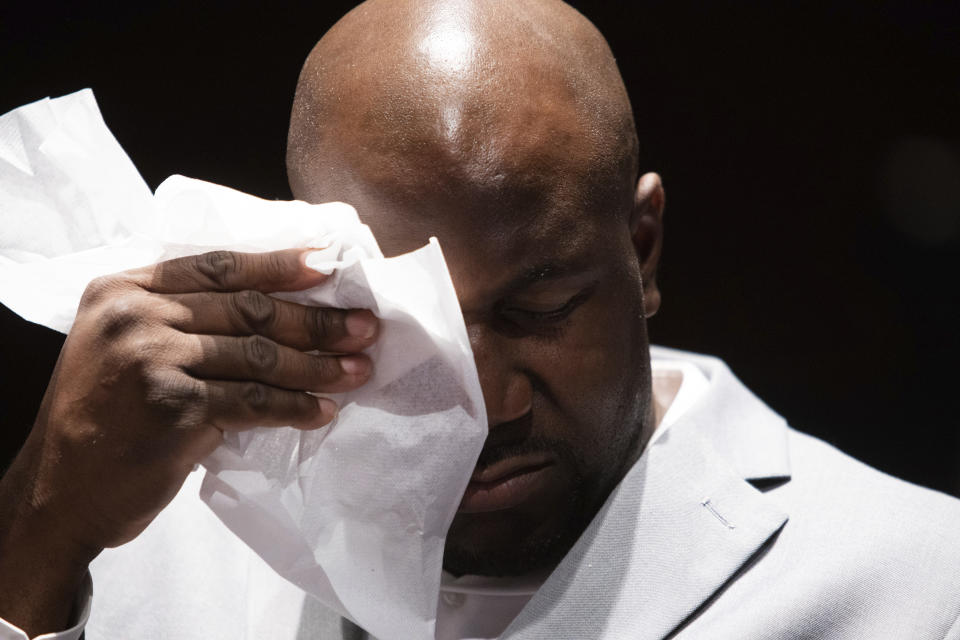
(220, 267)
(172, 398)
(143, 350)
(260, 353)
(324, 324)
(119, 314)
(275, 267)
(255, 396)
(327, 368)
(256, 310)
(97, 289)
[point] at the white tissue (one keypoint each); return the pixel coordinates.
(355, 514)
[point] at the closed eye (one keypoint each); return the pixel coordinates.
(546, 315)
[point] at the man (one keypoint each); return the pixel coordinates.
(503, 129)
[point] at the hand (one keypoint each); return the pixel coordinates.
(159, 363)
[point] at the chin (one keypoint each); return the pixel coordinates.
(517, 541)
(505, 554)
(529, 527)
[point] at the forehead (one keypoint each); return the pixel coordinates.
(502, 195)
(508, 175)
(490, 242)
(531, 142)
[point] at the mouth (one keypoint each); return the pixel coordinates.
(507, 483)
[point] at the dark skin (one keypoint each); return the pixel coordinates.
(514, 145)
(467, 123)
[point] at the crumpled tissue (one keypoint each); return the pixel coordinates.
(356, 513)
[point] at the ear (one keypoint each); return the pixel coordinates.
(646, 231)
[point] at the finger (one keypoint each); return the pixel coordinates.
(178, 400)
(245, 313)
(229, 271)
(236, 406)
(259, 359)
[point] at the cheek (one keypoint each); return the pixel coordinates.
(598, 371)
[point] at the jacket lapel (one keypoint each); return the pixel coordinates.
(682, 522)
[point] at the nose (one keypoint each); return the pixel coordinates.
(507, 391)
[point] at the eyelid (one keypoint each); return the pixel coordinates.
(545, 306)
(557, 313)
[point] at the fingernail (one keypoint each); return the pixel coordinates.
(354, 365)
(329, 408)
(320, 261)
(361, 324)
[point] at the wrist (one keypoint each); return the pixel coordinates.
(41, 563)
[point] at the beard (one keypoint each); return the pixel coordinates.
(529, 555)
(529, 547)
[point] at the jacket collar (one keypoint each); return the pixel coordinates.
(744, 431)
(681, 523)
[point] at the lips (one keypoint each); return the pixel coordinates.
(507, 483)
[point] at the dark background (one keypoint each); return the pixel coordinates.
(810, 151)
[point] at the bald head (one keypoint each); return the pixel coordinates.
(487, 99)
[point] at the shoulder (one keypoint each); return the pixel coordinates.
(869, 541)
(827, 482)
(861, 555)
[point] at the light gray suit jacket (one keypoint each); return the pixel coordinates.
(735, 526)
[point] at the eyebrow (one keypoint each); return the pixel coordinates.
(543, 273)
